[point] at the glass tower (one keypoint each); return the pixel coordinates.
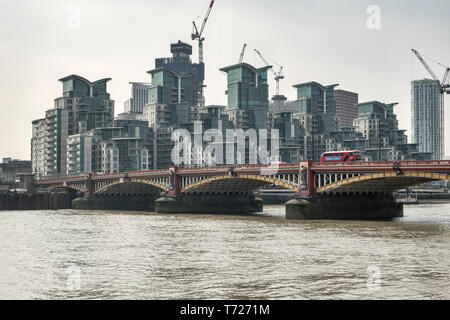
(427, 117)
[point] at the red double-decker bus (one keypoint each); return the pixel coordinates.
(341, 156)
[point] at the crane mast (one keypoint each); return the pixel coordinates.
(444, 81)
(198, 35)
(241, 58)
(443, 86)
(278, 75)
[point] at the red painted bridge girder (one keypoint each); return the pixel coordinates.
(378, 166)
(176, 173)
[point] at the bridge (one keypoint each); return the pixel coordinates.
(319, 185)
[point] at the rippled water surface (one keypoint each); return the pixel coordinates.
(112, 255)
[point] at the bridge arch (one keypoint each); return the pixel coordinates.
(236, 184)
(383, 182)
(76, 188)
(131, 186)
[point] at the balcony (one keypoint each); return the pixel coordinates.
(73, 143)
(74, 163)
(73, 156)
(73, 149)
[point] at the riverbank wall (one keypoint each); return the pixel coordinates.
(40, 200)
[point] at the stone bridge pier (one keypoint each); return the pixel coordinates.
(344, 206)
(360, 194)
(127, 202)
(223, 203)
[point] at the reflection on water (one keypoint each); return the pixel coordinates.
(111, 255)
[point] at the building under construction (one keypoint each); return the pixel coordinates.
(181, 63)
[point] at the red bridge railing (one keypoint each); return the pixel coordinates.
(382, 163)
(283, 167)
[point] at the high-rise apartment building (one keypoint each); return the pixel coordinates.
(88, 103)
(248, 96)
(181, 63)
(291, 135)
(38, 146)
(377, 123)
(427, 117)
(79, 153)
(346, 107)
(171, 105)
(316, 111)
(139, 97)
(57, 131)
(83, 106)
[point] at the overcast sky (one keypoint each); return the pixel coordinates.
(325, 41)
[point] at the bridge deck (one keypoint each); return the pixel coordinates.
(319, 177)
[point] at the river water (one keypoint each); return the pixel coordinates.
(68, 254)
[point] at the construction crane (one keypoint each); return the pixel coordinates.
(443, 85)
(198, 35)
(278, 75)
(443, 88)
(241, 58)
